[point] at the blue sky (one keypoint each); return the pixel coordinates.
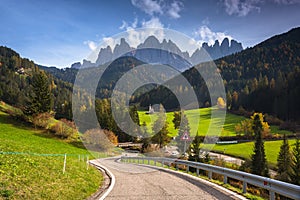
(59, 33)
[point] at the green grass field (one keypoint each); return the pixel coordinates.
(244, 150)
(40, 177)
(204, 122)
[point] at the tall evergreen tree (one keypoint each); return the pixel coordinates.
(194, 149)
(284, 161)
(295, 175)
(259, 164)
(41, 99)
(134, 115)
(161, 138)
(182, 128)
(176, 120)
(160, 129)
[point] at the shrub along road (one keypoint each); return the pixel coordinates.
(143, 182)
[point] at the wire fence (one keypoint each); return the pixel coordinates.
(81, 157)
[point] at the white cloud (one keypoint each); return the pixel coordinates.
(205, 34)
(174, 9)
(287, 2)
(125, 24)
(152, 23)
(159, 7)
(205, 21)
(91, 44)
(148, 6)
(150, 27)
(108, 41)
(241, 7)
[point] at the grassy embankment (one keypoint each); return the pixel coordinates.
(33, 176)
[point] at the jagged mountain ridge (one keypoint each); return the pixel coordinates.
(165, 52)
(264, 78)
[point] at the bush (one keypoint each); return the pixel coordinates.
(42, 120)
(99, 139)
(273, 120)
(65, 129)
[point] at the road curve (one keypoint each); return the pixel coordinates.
(146, 182)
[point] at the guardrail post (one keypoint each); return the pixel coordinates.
(272, 195)
(210, 174)
(244, 187)
(278, 187)
(225, 179)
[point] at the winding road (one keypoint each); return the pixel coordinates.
(146, 182)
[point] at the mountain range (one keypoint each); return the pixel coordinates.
(165, 52)
(264, 78)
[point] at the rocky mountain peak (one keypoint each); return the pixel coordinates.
(154, 54)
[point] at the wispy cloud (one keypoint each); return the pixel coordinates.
(287, 2)
(241, 7)
(205, 34)
(156, 8)
(91, 44)
(174, 9)
(148, 6)
(151, 27)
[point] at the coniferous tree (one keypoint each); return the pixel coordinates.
(182, 128)
(177, 119)
(41, 100)
(160, 129)
(161, 138)
(259, 164)
(134, 115)
(194, 151)
(295, 174)
(284, 160)
(135, 129)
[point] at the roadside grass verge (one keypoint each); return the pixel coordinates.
(33, 176)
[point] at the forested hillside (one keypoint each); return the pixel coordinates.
(16, 88)
(264, 78)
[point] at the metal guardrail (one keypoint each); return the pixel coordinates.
(273, 186)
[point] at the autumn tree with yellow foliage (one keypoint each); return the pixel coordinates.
(245, 127)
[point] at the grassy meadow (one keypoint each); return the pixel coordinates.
(244, 150)
(34, 176)
(204, 122)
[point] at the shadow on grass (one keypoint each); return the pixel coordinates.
(9, 120)
(17, 123)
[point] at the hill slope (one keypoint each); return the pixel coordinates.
(31, 164)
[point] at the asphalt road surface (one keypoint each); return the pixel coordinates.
(145, 182)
